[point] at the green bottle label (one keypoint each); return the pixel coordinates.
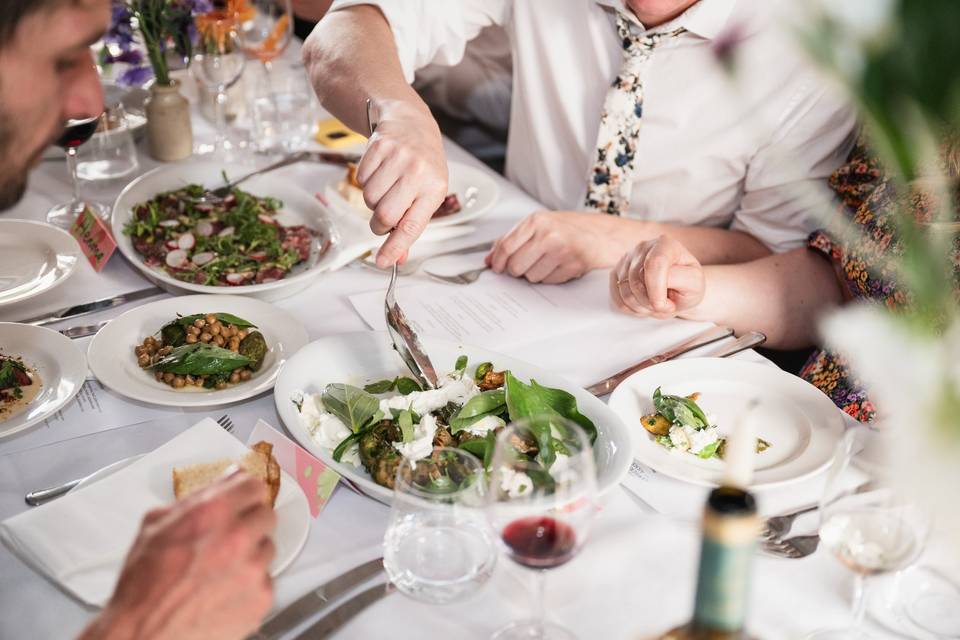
(722, 585)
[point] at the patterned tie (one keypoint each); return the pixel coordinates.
(611, 177)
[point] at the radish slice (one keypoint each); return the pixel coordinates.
(202, 258)
(226, 232)
(169, 223)
(177, 259)
(235, 278)
(265, 218)
(186, 241)
(172, 244)
(204, 229)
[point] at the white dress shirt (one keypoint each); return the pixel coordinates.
(714, 149)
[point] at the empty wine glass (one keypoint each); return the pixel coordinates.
(541, 500)
(266, 29)
(75, 133)
(872, 530)
(438, 547)
(218, 65)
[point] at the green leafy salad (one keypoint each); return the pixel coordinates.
(378, 425)
(679, 424)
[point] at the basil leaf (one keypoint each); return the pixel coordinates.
(482, 370)
(461, 365)
(478, 407)
(381, 386)
(374, 419)
(491, 441)
(344, 445)
(680, 410)
(524, 402)
(226, 318)
(405, 422)
(565, 404)
(477, 446)
(710, 451)
(353, 406)
(201, 359)
(406, 386)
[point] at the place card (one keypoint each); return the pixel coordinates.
(95, 239)
(315, 478)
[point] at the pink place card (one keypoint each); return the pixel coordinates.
(95, 239)
(315, 478)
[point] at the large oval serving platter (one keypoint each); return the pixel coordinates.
(358, 358)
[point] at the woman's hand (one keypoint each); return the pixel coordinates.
(659, 278)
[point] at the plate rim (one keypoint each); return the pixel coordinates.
(202, 400)
(302, 278)
(69, 241)
(825, 402)
(81, 379)
(366, 485)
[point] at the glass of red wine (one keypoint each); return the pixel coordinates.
(541, 501)
(75, 133)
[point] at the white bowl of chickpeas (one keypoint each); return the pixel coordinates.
(195, 351)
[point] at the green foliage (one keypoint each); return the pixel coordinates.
(201, 359)
(353, 406)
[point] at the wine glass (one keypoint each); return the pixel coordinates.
(541, 500)
(438, 547)
(266, 29)
(76, 132)
(218, 65)
(872, 530)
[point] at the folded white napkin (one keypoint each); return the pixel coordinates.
(80, 541)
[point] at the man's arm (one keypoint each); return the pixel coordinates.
(351, 56)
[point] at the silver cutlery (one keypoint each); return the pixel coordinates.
(316, 601)
(291, 158)
(775, 527)
(467, 277)
(791, 548)
(410, 267)
(344, 613)
(92, 307)
(746, 341)
(703, 338)
(405, 339)
(83, 331)
(43, 496)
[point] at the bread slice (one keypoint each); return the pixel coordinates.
(259, 462)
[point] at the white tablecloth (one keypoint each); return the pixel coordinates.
(634, 578)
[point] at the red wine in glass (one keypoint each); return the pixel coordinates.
(540, 542)
(76, 132)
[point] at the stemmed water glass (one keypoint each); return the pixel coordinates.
(75, 133)
(541, 501)
(266, 29)
(218, 65)
(872, 530)
(438, 547)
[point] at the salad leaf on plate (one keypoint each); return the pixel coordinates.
(680, 410)
(405, 422)
(353, 406)
(406, 386)
(712, 450)
(381, 386)
(486, 403)
(201, 359)
(461, 365)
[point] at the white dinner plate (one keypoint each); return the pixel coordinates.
(56, 360)
(358, 358)
(299, 208)
(801, 424)
(476, 191)
(292, 508)
(34, 258)
(112, 359)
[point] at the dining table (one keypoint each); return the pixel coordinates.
(635, 576)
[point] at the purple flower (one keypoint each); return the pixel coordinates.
(135, 76)
(126, 56)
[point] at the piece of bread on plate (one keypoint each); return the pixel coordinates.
(258, 462)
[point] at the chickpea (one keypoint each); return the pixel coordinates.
(198, 323)
(202, 380)
(205, 337)
(231, 330)
(245, 374)
(242, 334)
(178, 382)
(235, 377)
(149, 341)
(193, 331)
(234, 344)
(168, 377)
(215, 329)
(143, 360)
(158, 376)
(165, 350)
(191, 339)
(210, 319)
(188, 379)
(138, 351)
(218, 340)
(221, 385)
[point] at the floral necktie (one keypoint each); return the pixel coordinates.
(611, 176)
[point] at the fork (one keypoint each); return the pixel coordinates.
(467, 277)
(410, 267)
(43, 496)
(777, 526)
(791, 548)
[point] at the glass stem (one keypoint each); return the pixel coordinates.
(72, 170)
(540, 605)
(859, 599)
(220, 112)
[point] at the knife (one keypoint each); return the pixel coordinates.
(746, 341)
(703, 338)
(314, 602)
(83, 332)
(93, 307)
(343, 614)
